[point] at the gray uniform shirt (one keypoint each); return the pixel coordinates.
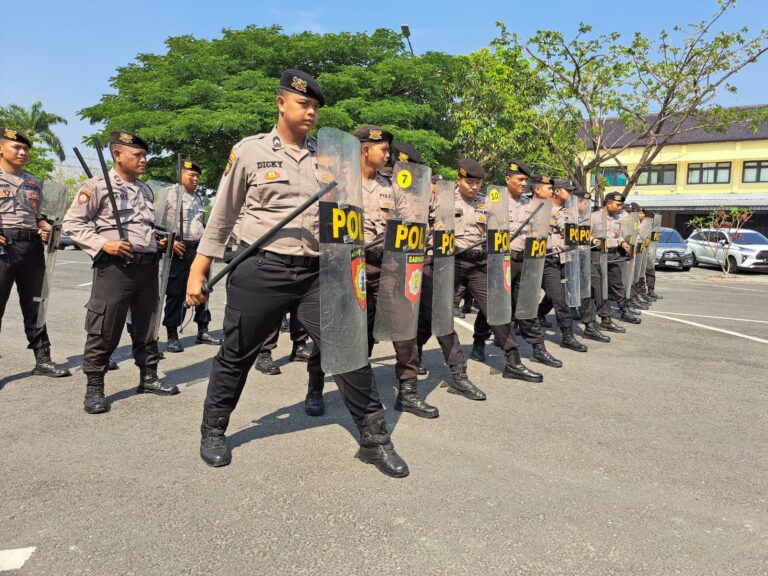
(519, 210)
(470, 220)
(91, 223)
(21, 198)
(192, 215)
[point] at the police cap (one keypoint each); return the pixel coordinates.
(565, 184)
(542, 179)
(301, 83)
(405, 152)
(469, 168)
(613, 197)
(373, 133)
(14, 136)
(127, 139)
(189, 165)
(517, 167)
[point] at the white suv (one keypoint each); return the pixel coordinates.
(747, 249)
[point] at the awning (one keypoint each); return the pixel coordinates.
(700, 202)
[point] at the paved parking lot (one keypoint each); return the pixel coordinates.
(648, 455)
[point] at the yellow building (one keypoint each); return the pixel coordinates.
(698, 172)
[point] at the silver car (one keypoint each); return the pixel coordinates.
(672, 251)
(744, 249)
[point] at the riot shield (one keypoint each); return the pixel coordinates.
(629, 230)
(499, 274)
(533, 261)
(600, 232)
(643, 241)
(443, 266)
(53, 208)
(571, 256)
(585, 249)
(655, 235)
(168, 205)
(343, 320)
(397, 307)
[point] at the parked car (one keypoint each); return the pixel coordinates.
(672, 251)
(746, 249)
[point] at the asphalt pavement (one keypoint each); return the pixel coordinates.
(648, 455)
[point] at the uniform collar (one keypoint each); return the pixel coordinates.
(277, 142)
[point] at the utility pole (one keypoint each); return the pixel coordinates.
(407, 35)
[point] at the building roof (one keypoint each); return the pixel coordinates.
(701, 202)
(616, 135)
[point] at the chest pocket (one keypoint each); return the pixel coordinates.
(274, 187)
(7, 201)
(386, 201)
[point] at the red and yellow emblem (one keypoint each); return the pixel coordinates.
(507, 275)
(359, 281)
(230, 162)
(272, 175)
(414, 273)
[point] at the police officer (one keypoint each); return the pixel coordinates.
(471, 264)
(516, 180)
(23, 230)
(612, 206)
(637, 292)
(191, 230)
(267, 176)
(124, 271)
(647, 282)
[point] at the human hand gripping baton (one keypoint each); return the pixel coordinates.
(514, 235)
(235, 262)
(110, 193)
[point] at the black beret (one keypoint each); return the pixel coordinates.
(469, 168)
(632, 207)
(128, 139)
(613, 197)
(404, 152)
(562, 183)
(301, 83)
(189, 165)
(517, 167)
(586, 194)
(542, 179)
(373, 133)
(15, 136)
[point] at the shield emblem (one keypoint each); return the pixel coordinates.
(358, 279)
(508, 275)
(413, 274)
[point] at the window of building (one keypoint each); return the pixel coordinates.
(756, 171)
(616, 176)
(658, 175)
(709, 173)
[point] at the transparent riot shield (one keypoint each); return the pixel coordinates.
(402, 267)
(343, 320)
(629, 230)
(585, 249)
(643, 241)
(168, 205)
(53, 207)
(533, 260)
(443, 266)
(655, 235)
(571, 257)
(499, 260)
(600, 232)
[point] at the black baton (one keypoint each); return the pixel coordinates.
(110, 192)
(82, 163)
(374, 243)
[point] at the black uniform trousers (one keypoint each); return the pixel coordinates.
(259, 292)
(24, 265)
(298, 334)
(602, 308)
(529, 328)
(176, 292)
(406, 351)
(119, 287)
(647, 281)
(615, 284)
(449, 343)
(554, 288)
(474, 274)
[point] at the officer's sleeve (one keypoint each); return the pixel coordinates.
(78, 222)
(230, 198)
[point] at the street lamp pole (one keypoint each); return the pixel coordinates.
(407, 35)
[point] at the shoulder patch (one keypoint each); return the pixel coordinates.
(85, 192)
(230, 162)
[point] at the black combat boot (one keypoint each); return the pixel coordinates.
(544, 322)
(205, 337)
(300, 352)
(284, 325)
(213, 443)
(592, 331)
(541, 354)
(420, 369)
(266, 365)
(458, 312)
(376, 447)
(44, 366)
(478, 351)
(609, 325)
(95, 402)
(408, 400)
(629, 317)
(149, 382)
(516, 370)
(570, 342)
(112, 365)
(638, 303)
(174, 344)
(461, 384)
(313, 403)
(655, 296)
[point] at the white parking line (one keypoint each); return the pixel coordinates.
(715, 317)
(86, 284)
(729, 332)
(466, 325)
(72, 262)
(15, 559)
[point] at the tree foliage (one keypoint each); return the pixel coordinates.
(35, 123)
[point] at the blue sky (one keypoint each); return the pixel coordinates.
(64, 51)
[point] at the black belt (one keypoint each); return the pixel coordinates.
(612, 250)
(374, 256)
(191, 245)
(298, 261)
(19, 235)
(138, 258)
(472, 256)
(517, 255)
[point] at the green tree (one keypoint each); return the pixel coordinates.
(35, 123)
(202, 96)
(39, 163)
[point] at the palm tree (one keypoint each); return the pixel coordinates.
(34, 123)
